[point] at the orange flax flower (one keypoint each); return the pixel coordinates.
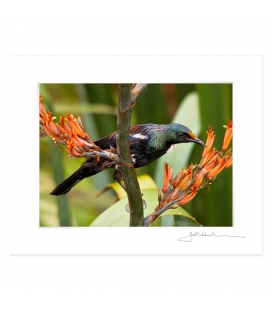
(228, 136)
(209, 142)
(170, 174)
(209, 157)
(64, 126)
(185, 182)
(199, 177)
(72, 150)
(80, 142)
(165, 177)
(43, 113)
(212, 164)
(79, 121)
(228, 163)
(73, 123)
(51, 129)
(189, 196)
(181, 174)
(217, 169)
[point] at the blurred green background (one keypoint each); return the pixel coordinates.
(194, 105)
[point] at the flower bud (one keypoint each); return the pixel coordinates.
(189, 196)
(217, 169)
(228, 163)
(73, 123)
(209, 142)
(228, 136)
(165, 177)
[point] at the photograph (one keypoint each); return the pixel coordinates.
(164, 160)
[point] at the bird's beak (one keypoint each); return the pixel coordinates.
(196, 140)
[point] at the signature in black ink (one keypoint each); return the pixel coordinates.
(203, 234)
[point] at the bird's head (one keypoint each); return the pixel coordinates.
(181, 134)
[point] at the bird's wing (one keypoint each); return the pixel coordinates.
(137, 133)
(107, 142)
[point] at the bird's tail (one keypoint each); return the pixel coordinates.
(67, 184)
(88, 168)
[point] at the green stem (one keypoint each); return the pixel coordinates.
(127, 170)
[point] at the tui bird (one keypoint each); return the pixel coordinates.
(147, 143)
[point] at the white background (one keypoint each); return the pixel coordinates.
(245, 72)
(104, 282)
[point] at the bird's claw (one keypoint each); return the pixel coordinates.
(144, 203)
(127, 207)
(130, 107)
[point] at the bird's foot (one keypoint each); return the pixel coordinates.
(127, 207)
(144, 204)
(130, 107)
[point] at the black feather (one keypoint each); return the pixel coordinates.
(147, 143)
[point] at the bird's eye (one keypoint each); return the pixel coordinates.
(181, 134)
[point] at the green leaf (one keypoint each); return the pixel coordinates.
(116, 215)
(183, 221)
(179, 216)
(188, 114)
(145, 182)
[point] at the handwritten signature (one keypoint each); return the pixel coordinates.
(203, 234)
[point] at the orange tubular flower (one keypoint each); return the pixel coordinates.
(73, 122)
(76, 140)
(209, 142)
(180, 175)
(50, 129)
(199, 177)
(190, 169)
(165, 177)
(209, 157)
(228, 136)
(170, 174)
(189, 197)
(217, 169)
(80, 123)
(212, 164)
(43, 113)
(185, 182)
(64, 126)
(72, 150)
(228, 163)
(53, 128)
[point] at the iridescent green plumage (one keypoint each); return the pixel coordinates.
(147, 143)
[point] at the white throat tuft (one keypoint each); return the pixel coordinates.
(171, 148)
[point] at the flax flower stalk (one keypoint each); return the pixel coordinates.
(184, 187)
(71, 134)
